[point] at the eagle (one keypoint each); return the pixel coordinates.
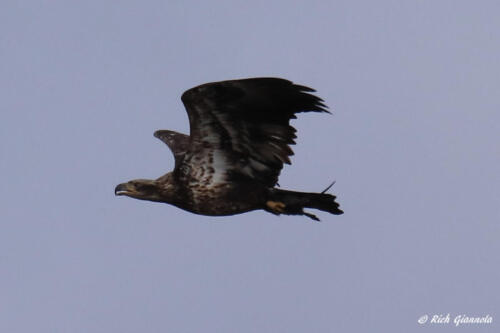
(239, 140)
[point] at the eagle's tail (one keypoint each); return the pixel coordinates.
(293, 203)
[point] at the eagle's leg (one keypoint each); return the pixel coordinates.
(293, 203)
(276, 207)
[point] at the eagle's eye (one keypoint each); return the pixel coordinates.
(145, 188)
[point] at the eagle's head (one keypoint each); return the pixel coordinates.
(143, 189)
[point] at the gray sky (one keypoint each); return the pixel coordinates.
(413, 145)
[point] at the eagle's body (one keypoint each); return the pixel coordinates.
(239, 139)
(223, 199)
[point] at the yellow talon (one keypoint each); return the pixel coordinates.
(276, 207)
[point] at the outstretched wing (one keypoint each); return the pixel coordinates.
(177, 142)
(241, 128)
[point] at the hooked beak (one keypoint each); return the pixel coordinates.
(124, 189)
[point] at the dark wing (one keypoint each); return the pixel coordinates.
(177, 142)
(243, 126)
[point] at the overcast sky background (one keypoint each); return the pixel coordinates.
(413, 144)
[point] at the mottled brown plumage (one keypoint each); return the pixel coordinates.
(240, 137)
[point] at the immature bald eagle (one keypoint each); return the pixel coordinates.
(239, 139)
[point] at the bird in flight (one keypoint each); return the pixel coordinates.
(240, 137)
